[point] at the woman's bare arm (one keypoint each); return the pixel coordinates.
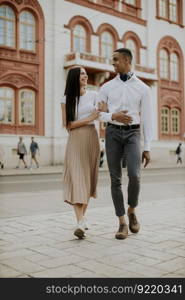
(79, 123)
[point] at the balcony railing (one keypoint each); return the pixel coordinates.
(144, 69)
(88, 57)
(98, 62)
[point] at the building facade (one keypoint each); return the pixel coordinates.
(41, 39)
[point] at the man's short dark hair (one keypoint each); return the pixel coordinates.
(126, 52)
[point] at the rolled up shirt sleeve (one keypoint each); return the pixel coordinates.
(147, 118)
(102, 96)
(63, 100)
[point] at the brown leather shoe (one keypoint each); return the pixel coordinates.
(134, 225)
(122, 232)
(79, 233)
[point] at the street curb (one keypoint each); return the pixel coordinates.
(49, 172)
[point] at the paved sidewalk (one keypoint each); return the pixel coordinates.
(44, 245)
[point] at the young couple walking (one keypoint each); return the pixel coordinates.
(125, 104)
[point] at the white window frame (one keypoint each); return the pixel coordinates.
(5, 32)
(174, 67)
(173, 10)
(32, 123)
(165, 118)
(81, 36)
(4, 100)
(132, 49)
(23, 39)
(164, 64)
(175, 118)
(107, 46)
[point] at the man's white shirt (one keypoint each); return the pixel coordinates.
(132, 95)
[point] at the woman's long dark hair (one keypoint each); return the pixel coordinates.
(72, 93)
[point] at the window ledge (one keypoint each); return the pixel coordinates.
(7, 48)
(128, 12)
(170, 21)
(27, 51)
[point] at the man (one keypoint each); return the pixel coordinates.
(33, 150)
(128, 108)
(178, 153)
(21, 151)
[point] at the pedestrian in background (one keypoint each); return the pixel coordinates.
(102, 152)
(21, 152)
(82, 151)
(34, 148)
(2, 154)
(179, 153)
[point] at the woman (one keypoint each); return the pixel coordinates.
(82, 151)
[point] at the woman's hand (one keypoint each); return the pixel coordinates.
(93, 116)
(102, 106)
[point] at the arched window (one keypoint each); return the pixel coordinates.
(7, 26)
(175, 121)
(130, 44)
(173, 10)
(164, 64)
(107, 44)
(27, 31)
(27, 107)
(6, 105)
(174, 67)
(79, 39)
(165, 120)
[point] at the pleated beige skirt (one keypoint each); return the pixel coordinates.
(81, 165)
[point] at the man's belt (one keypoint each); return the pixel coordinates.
(124, 127)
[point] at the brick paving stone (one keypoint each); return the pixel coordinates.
(172, 275)
(23, 276)
(88, 274)
(172, 265)
(146, 261)
(118, 260)
(166, 245)
(22, 265)
(62, 261)
(154, 253)
(18, 253)
(47, 250)
(37, 257)
(44, 245)
(100, 267)
(8, 272)
(146, 271)
(180, 272)
(178, 251)
(64, 271)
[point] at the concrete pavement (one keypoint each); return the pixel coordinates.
(43, 245)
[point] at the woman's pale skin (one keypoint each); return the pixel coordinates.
(80, 209)
(93, 116)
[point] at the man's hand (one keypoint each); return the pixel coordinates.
(146, 158)
(122, 117)
(93, 116)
